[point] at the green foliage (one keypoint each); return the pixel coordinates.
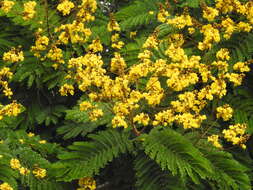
(86, 158)
(175, 153)
(228, 173)
(151, 177)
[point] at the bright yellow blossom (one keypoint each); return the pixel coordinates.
(142, 119)
(210, 13)
(87, 183)
(214, 139)
(65, 89)
(225, 112)
(15, 163)
(39, 172)
(29, 11)
(65, 7)
(5, 186)
(6, 5)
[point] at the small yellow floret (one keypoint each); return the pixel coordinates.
(29, 11)
(24, 171)
(5, 186)
(225, 112)
(65, 7)
(87, 183)
(14, 163)
(210, 13)
(215, 140)
(66, 88)
(6, 5)
(142, 119)
(39, 172)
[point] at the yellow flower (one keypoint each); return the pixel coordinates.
(225, 112)
(113, 25)
(223, 54)
(118, 64)
(151, 42)
(215, 140)
(119, 121)
(42, 141)
(87, 183)
(133, 34)
(95, 114)
(30, 134)
(191, 30)
(55, 54)
(24, 171)
(151, 12)
(180, 21)
(141, 119)
(6, 5)
(65, 7)
(96, 46)
(236, 134)
(66, 88)
(162, 15)
(21, 141)
(241, 66)
(14, 55)
(5, 186)
(235, 78)
(243, 26)
(14, 163)
(29, 11)
(210, 13)
(39, 172)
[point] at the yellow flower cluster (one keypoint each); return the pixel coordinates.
(5, 186)
(151, 42)
(41, 44)
(12, 109)
(180, 21)
(55, 54)
(75, 33)
(210, 13)
(67, 88)
(29, 11)
(118, 64)
(113, 25)
(162, 15)
(13, 56)
(39, 172)
(65, 7)
(5, 73)
(85, 105)
(236, 134)
(95, 114)
(116, 43)
(241, 67)
(6, 5)
(129, 91)
(225, 112)
(211, 35)
(87, 183)
(214, 139)
(86, 9)
(223, 54)
(142, 119)
(229, 26)
(15, 164)
(95, 46)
